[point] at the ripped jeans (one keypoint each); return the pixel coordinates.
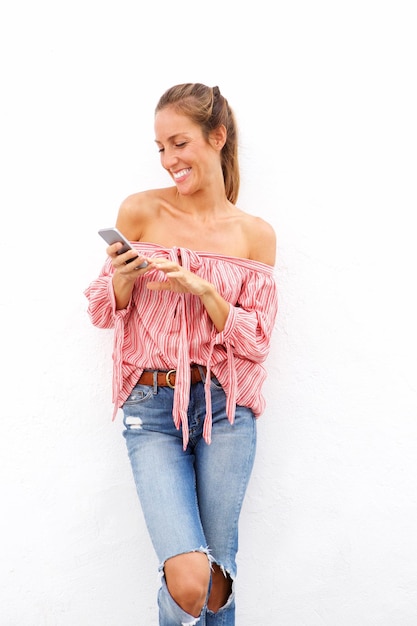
(191, 499)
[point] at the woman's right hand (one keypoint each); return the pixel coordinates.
(128, 263)
(126, 272)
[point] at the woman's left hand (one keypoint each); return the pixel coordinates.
(178, 279)
(181, 280)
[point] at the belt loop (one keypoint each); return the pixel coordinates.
(155, 382)
(202, 372)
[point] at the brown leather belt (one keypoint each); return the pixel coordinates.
(166, 378)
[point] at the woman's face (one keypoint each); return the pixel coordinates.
(191, 161)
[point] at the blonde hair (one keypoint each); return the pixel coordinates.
(208, 108)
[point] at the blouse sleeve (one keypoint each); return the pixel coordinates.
(250, 323)
(101, 299)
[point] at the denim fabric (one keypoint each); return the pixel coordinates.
(191, 499)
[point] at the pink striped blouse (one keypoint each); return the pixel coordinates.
(166, 330)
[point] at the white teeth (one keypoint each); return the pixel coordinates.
(181, 173)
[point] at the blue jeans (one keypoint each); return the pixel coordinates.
(191, 499)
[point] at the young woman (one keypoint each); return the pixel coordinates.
(191, 331)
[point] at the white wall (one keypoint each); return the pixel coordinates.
(325, 96)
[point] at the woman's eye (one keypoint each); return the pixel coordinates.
(176, 145)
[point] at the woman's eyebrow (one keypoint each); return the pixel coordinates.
(172, 138)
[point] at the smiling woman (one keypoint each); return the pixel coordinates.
(188, 147)
(191, 331)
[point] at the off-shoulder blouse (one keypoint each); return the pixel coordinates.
(167, 330)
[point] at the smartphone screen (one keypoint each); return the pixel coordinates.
(113, 235)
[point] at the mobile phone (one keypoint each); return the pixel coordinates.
(113, 235)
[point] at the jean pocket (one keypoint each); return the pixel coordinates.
(139, 394)
(215, 383)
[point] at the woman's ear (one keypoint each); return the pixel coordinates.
(218, 137)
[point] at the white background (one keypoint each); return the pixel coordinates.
(325, 96)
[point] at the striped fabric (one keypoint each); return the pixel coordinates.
(166, 330)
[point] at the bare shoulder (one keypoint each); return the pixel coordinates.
(262, 240)
(137, 209)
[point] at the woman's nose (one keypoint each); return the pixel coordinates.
(168, 159)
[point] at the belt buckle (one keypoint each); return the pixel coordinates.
(167, 375)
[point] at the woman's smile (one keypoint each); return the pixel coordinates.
(181, 174)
